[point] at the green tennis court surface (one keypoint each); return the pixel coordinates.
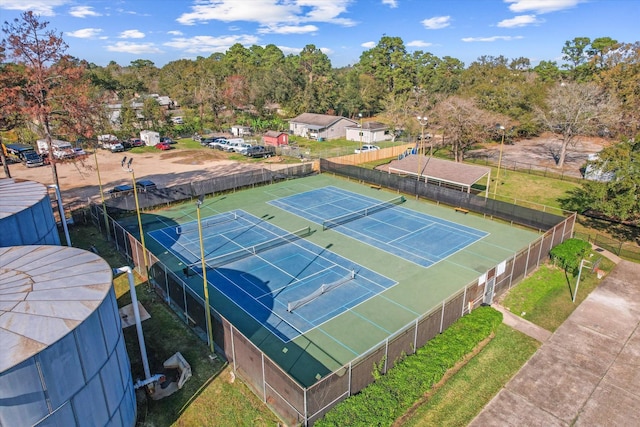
(345, 336)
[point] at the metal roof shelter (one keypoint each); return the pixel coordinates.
(439, 172)
(63, 356)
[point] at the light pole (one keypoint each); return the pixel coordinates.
(360, 115)
(104, 206)
(207, 309)
(127, 168)
(495, 189)
(423, 122)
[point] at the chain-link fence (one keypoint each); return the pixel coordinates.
(166, 196)
(281, 390)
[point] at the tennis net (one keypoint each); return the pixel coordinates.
(230, 216)
(292, 305)
(352, 216)
(253, 250)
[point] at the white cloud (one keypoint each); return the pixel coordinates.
(491, 39)
(369, 45)
(39, 7)
(288, 29)
(208, 44)
(541, 6)
(131, 34)
(268, 12)
(437, 22)
(84, 33)
(134, 48)
(83, 11)
(419, 43)
(519, 21)
(175, 33)
(391, 3)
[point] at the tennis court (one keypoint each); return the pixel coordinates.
(411, 235)
(286, 283)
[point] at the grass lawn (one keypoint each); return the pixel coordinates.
(209, 397)
(533, 188)
(545, 298)
(464, 395)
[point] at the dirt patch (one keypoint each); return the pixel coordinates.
(541, 153)
(79, 180)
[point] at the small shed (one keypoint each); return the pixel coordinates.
(239, 130)
(275, 138)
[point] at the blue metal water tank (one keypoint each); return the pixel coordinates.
(63, 359)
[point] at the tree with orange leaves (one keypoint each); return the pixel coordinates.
(50, 86)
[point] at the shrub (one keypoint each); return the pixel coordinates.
(569, 253)
(383, 401)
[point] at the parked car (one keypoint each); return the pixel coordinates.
(242, 148)
(367, 147)
(234, 145)
(219, 143)
(79, 151)
(136, 142)
(116, 147)
(121, 190)
(145, 185)
(167, 140)
(206, 141)
(260, 151)
(163, 146)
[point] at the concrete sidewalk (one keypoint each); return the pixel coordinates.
(588, 372)
(522, 325)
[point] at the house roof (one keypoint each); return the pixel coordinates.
(318, 121)
(273, 133)
(371, 126)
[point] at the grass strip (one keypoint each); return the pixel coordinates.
(469, 390)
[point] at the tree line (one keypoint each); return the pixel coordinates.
(594, 92)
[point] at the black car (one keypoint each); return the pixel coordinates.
(257, 151)
(145, 185)
(121, 190)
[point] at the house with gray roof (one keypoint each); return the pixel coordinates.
(320, 126)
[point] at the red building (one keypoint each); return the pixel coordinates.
(275, 138)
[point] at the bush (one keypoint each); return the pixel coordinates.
(383, 401)
(569, 253)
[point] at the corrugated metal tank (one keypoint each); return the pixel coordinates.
(26, 217)
(63, 359)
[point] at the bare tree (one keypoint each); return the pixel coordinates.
(464, 124)
(574, 110)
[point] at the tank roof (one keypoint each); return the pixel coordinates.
(17, 196)
(46, 292)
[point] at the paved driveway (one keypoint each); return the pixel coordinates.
(588, 372)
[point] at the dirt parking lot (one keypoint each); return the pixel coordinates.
(79, 179)
(541, 152)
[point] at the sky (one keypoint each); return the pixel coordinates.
(167, 30)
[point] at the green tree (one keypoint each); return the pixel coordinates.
(389, 63)
(618, 197)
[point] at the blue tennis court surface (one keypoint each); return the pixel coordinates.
(265, 270)
(414, 236)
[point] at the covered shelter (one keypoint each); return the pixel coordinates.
(440, 172)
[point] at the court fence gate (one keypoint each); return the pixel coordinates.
(288, 398)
